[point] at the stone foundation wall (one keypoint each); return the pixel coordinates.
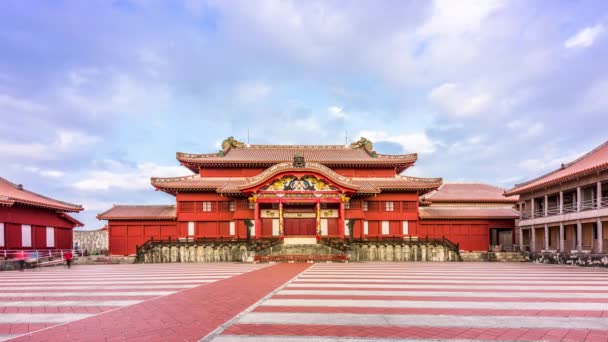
(197, 253)
(94, 241)
(492, 256)
(239, 253)
(401, 252)
(593, 260)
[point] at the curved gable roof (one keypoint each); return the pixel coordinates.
(591, 162)
(469, 192)
(288, 167)
(11, 193)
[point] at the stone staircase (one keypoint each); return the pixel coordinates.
(289, 251)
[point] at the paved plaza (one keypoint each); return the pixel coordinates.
(301, 302)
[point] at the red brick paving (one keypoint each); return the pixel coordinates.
(504, 334)
(185, 316)
(431, 311)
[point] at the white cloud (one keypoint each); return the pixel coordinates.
(96, 92)
(65, 142)
(594, 99)
(10, 104)
(550, 161)
(47, 173)
(585, 37)
(526, 128)
(456, 17)
(253, 91)
(126, 177)
(336, 112)
(456, 101)
(417, 142)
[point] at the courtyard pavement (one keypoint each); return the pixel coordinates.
(303, 302)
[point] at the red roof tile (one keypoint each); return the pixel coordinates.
(467, 213)
(593, 161)
(198, 183)
(396, 183)
(139, 212)
(271, 154)
(235, 184)
(469, 192)
(11, 193)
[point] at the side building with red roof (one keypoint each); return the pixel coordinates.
(280, 192)
(565, 211)
(473, 214)
(29, 220)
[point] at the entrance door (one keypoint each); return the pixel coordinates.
(300, 226)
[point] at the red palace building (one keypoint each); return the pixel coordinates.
(32, 221)
(328, 191)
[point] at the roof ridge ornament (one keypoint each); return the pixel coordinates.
(365, 144)
(298, 160)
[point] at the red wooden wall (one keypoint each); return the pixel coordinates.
(472, 235)
(38, 218)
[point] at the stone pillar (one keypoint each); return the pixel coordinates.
(561, 202)
(600, 236)
(561, 237)
(521, 209)
(579, 236)
(599, 195)
(546, 205)
(546, 236)
(578, 198)
(521, 239)
(532, 207)
(532, 240)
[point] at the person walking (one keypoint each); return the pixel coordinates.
(21, 259)
(68, 258)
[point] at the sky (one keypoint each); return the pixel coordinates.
(96, 97)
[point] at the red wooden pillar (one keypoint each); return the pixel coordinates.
(318, 219)
(281, 227)
(341, 221)
(258, 222)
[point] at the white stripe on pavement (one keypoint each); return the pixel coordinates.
(466, 287)
(15, 318)
(425, 320)
(104, 287)
(573, 295)
(17, 303)
(309, 338)
(521, 305)
(87, 294)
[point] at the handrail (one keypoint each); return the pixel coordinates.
(589, 204)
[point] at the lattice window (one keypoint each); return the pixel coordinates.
(231, 206)
(389, 206)
(186, 207)
(365, 206)
(206, 206)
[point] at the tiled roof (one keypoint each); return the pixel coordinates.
(469, 192)
(139, 212)
(396, 183)
(270, 154)
(11, 193)
(594, 161)
(234, 184)
(467, 213)
(197, 183)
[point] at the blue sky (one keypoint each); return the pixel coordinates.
(97, 96)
